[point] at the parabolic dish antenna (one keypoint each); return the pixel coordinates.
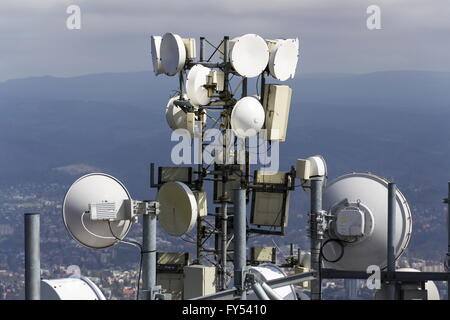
(283, 59)
(359, 202)
(156, 55)
(175, 116)
(196, 79)
(94, 188)
(173, 53)
(269, 271)
(249, 55)
(247, 117)
(177, 208)
(70, 289)
(430, 286)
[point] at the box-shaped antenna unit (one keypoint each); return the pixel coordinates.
(182, 174)
(277, 103)
(169, 275)
(260, 254)
(270, 201)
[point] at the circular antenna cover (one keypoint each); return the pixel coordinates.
(177, 208)
(370, 192)
(269, 271)
(173, 53)
(175, 116)
(196, 79)
(283, 59)
(249, 55)
(94, 188)
(156, 54)
(247, 117)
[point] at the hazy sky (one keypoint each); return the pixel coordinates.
(114, 37)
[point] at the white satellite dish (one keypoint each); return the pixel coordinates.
(430, 286)
(70, 289)
(177, 208)
(283, 59)
(196, 79)
(175, 116)
(247, 117)
(173, 53)
(92, 189)
(249, 55)
(156, 55)
(359, 203)
(269, 271)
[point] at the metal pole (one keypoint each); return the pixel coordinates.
(392, 189)
(240, 240)
(259, 291)
(202, 48)
(448, 240)
(225, 60)
(224, 243)
(263, 83)
(316, 238)
(351, 288)
(148, 255)
(244, 87)
(270, 292)
(32, 257)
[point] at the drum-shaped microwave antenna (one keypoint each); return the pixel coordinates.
(70, 289)
(269, 271)
(156, 55)
(249, 55)
(196, 79)
(177, 208)
(91, 189)
(247, 117)
(173, 53)
(357, 236)
(175, 116)
(283, 59)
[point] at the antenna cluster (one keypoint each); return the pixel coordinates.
(358, 220)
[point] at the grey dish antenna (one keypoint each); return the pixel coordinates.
(96, 194)
(156, 55)
(173, 53)
(178, 208)
(357, 235)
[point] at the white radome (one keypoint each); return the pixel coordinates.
(70, 289)
(247, 117)
(175, 116)
(249, 55)
(283, 59)
(269, 271)
(178, 208)
(156, 55)
(173, 53)
(196, 79)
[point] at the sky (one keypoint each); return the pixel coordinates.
(115, 34)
